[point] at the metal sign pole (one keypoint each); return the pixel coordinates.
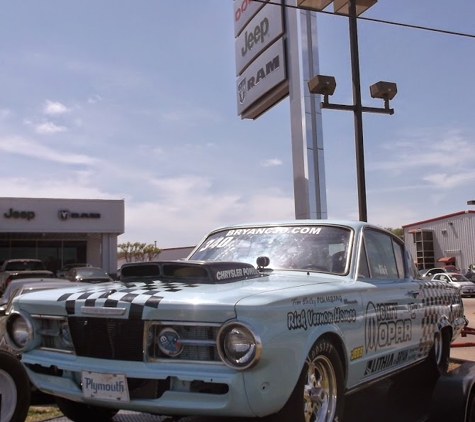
(305, 114)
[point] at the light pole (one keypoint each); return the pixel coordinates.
(384, 90)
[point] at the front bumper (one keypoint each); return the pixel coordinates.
(157, 388)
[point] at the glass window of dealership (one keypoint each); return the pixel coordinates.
(61, 231)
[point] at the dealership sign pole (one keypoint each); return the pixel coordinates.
(276, 54)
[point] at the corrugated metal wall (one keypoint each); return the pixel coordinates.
(453, 235)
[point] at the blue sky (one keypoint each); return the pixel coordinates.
(117, 99)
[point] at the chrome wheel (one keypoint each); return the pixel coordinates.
(320, 391)
(8, 391)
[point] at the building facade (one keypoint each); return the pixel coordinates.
(441, 241)
(61, 231)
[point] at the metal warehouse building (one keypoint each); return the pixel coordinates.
(445, 240)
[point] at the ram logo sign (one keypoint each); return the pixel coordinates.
(260, 56)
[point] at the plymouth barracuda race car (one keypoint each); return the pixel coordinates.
(276, 320)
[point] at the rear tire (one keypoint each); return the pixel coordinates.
(319, 393)
(439, 355)
(81, 412)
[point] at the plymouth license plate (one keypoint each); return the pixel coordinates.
(105, 386)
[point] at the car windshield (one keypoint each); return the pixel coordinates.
(459, 277)
(25, 266)
(320, 248)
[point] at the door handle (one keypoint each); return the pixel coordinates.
(414, 293)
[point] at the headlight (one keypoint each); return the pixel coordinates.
(238, 346)
(65, 335)
(19, 332)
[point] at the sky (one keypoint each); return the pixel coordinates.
(115, 99)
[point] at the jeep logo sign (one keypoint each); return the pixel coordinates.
(66, 215)
(24, 215)
(260, 33)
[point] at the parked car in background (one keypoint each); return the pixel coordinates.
(88, 275)
(429, 273)
(451, 269)
(13, 269)
(467, 287)
(63, 271)
(280, 319)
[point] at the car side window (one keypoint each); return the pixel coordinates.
(382, 253)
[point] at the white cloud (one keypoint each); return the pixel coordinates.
(442, 148)
(5, 113)
(54, 108)
(93, 99)
(271, 162)
(48, 128)
(70, 187)
(450, 181)
(26, 147)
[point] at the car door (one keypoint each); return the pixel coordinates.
(392, 306)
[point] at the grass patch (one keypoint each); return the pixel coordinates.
(43, 412)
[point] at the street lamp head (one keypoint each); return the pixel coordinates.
(314, 4)
(343, 6)
(321, 84)
(384, 90)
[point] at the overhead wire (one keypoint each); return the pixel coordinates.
(404, 25)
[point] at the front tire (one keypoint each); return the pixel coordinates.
(319, 393)
(14, 389)
(80, 412)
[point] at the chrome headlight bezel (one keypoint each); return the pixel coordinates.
(248, 336)
(13, 336)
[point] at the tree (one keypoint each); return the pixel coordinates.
(137, 252)
(397, 231)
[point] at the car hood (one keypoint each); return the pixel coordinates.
(209, 294)
(465, 283)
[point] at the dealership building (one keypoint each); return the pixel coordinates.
(444, 240)
(61, 231)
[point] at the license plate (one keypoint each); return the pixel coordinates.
(103, 386)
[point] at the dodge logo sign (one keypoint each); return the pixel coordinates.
(65, 215)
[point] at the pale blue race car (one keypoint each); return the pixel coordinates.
(277, 319)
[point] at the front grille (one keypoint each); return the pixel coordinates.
(198, 342)
(105, 338)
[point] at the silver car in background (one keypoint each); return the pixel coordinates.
(467, 287)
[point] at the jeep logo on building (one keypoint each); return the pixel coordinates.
(25, 215)
(65, 215)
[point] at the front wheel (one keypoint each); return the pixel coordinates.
(14, 389)
(319, 393)
(80, 412)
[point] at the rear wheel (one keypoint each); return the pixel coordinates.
(439, 355)
(319, 393)
(81, 412)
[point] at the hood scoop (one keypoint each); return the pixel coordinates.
(196, 272)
